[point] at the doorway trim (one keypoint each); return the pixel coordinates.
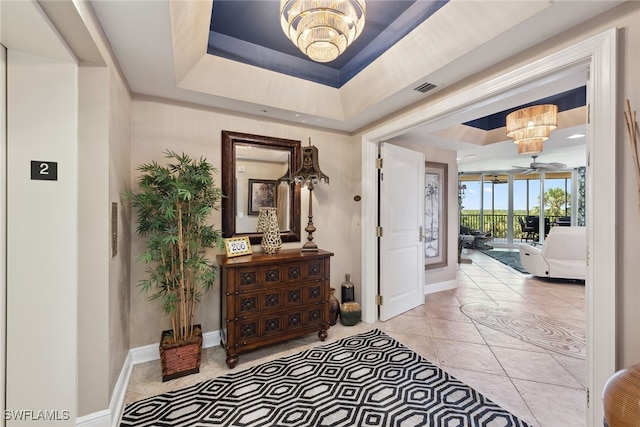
(599, 54)
(3, 227)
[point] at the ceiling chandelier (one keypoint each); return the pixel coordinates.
(531, 126)
(322, 29)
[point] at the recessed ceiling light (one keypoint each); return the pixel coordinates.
(576, 136)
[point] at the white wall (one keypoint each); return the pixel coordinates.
(119, 266)
(96, 307)
(42, 248)
(3, 224)
(627, 18)
(157, 126)
(93, 240)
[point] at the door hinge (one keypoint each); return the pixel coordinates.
(378, 231)
(379, 163)
(588, 256)
(378, 299)
(588, 113)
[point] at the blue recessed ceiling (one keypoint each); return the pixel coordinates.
(250, 32)
(565, 101)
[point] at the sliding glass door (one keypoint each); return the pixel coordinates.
(510, 206)
(495, 206)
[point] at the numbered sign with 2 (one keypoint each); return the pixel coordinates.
(237, 246)
(44, 171)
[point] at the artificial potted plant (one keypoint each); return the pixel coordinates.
(172, 206)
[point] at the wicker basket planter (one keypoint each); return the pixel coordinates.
(180, 359)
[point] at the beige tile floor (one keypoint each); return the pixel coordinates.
(543, 388)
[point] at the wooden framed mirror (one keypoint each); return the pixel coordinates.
(254, 173)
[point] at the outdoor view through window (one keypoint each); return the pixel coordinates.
(485, 204)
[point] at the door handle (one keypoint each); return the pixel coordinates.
(421, 236)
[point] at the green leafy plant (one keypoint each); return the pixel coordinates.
(172, 206)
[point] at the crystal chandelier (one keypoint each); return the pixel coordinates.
(322, 29)
(531, 126)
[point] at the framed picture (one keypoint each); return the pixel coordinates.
(262, 194)
(435, 215)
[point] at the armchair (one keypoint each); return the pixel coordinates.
(528, 230)
(475, 238)
(530, 227)
(563, 254)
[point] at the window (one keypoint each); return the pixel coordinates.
(484, 204)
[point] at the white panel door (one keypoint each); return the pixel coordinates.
(401, 218)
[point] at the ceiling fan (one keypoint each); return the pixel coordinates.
(539, 167)
(496, 179)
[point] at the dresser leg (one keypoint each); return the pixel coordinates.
(232, 361)
(322, 335)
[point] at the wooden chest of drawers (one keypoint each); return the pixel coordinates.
(272, 298)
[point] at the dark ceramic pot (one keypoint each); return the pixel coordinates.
(350, 313)
(334, 307)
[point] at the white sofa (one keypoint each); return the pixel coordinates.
(562, 255)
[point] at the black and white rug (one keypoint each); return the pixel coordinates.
(368, 379)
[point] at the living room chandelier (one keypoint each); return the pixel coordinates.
(322, 29)
(529, 127)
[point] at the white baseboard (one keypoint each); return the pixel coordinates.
(210, 339)
(151, 352)
(111, 417)
(144, 354)
(440, 286)
(120, 391)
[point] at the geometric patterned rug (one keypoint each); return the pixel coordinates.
(368, 379)
(541, 331)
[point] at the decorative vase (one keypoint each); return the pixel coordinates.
(262, 220)
(347, 289)
(621, 398)
(270, 228)
(334, 307)
(179, 359)
(350, 313)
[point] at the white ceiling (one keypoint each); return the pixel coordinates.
(478, 150)
(160, 46)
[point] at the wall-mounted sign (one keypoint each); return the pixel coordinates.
(47, 171)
